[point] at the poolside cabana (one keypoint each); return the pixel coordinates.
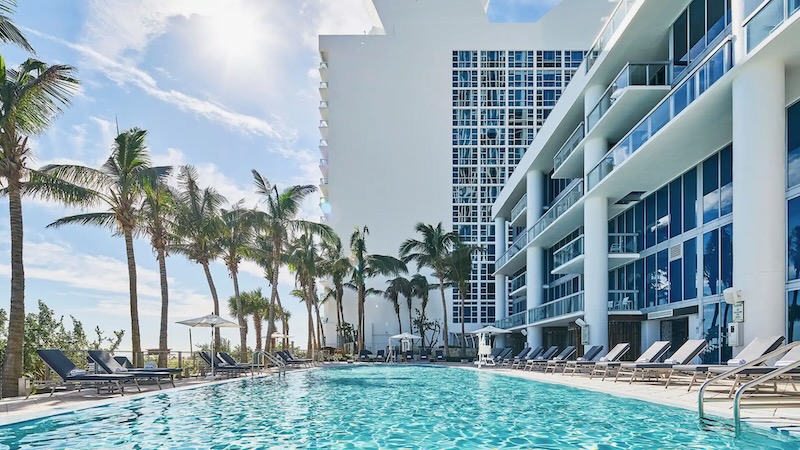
(485, 343)
(406, 339)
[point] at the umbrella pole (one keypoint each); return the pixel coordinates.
(213, 354)
(191, 351)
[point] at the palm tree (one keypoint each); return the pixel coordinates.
(253, 304)
(284, 315)
(303, 258)
(366, 266)
(279, 221)
(197, 228)
(31, 97)
(9, 33)
(399, 286)
(421, 288)
(336, 266)
(235, 237)
(120, 185)
(431, 251)
(157, 213)
(459, 272)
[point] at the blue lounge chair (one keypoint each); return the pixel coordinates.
(380, 355)
(613, 355)
(508, 360)
(220, 366)
(424, 355)
(126, 363)
(653, 353)
(684, 355)
(228, 359)
(365, 355)
(105, 361)
(70, 373)
(559, 359)
(532, 353)
(541, 359)
(439, 355)
(409, 355)
(560, 362)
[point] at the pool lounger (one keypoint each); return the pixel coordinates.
(110, 365)
(220, 366)
(228, 359)
(684, 355)
(612, 356)
(424, 355)
(561, 358)
(532, 353)
(543, 358)
(365, 356)
(754, 350)
(69, 373)
(561, 363)
(652, 354)
(508, 360)
(791, 357)
(502, 355)
(409, 355)
(288, 358)
(380, 356)
(439, 355)
(126, 363)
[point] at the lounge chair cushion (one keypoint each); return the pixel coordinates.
(77, 372)
(121, 370)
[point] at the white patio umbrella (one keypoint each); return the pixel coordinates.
(403, 337)
(210, 321)
(484, 347)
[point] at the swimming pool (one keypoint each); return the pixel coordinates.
(381, 407)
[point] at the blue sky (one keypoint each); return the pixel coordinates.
(224, 86)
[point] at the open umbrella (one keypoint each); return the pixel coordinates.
(484, 344)
(403, 337)
(210, 321)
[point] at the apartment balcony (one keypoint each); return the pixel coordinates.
(513, 321)
(570, 306)
(512, 259)
(566, 212)
(323, 128)
(518, 212)
(568, 162)
(323, 109)
(624, 302)
(323, 167)
(570, 258)
(323, 70)
(323, 90)
(603, 42)
(682, 105)
(323, 148)
(767, 18)
(323, 186)
(518, 285)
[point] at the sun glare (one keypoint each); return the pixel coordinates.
(235, 34)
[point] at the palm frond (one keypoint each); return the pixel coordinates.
(102, 219)
(48, 187)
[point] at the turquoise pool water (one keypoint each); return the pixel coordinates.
(381, 407)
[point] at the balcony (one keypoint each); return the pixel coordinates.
(562, 210)
(323, 167)
(622, 249)
(624, 302)
(703, 77)
(323, 109)
(323, 70)
(519, 243)
(517, 213)
(323, 90)
(323, 128)
(769, 16)
(323, 186)
(570, 258)
(518, 285)
(551, 311)
(635, 91)
(323, 148)
(568, 162)
(603, 41)
(512, 321)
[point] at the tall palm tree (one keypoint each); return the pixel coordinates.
(420, 288)
(197, 228)
(119, 185)
(31, 97)
(157, 210)
(9, 33)
(399, 286)
(431, 251)
(284, 315)
(279, 221)
(236, 234)
(336, 266)
(251, 304)
(261, 253)
(459, 272)
(303, 258)
(366, 266)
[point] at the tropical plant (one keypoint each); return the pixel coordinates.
(459, 271)
(336, 266)
(399, 286)
(279, 221)
(366, 266)
(119, 184)
(9, 33)
(157, 210)
(303, 259)
(236, 235)
(431, 251)
(197, 227)
(421, 289)
(31, 97)
(251, 304)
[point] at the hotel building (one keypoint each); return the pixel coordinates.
(668, 172)
(425, 118)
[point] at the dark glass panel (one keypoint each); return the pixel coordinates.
(690, 200)
(711, 263)
(675, 208)
(650, 221)
(711, 189)
(726, 255)
(690, 269)
(652, 277)
(662, 215)
(726, 181)
(793, 239)
(675, 281)
(793, 139)
(697, 27)
(662, 277)
(716, 18)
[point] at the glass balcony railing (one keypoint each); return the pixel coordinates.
(703, 77)
(766, 19)
(562, 204)
(568, 252)
(323, 85)
(650, 74)
(323, 104)
(519, 207)
(622, 243)
(323, 181)
(561, 307)
(518, 282)
(323, 124)
(323, 65)
(512, 321)
(603, 41)
(323, 143)
(623, 301)
(569, 146)
(323, 162)
(518, 245)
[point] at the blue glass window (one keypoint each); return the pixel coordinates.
(793, 140)
(710, 189)
(690, 268)
(651, 279)
(675, 208)
(675, 281)
(662, 280)
(715, 319)
(793, 315)
(690, 200)
(793, 240)
(662, 215)
(726, 256)
(711, 281)
(650, 221)
(726, 181)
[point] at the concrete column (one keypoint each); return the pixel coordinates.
(737, 19)
(534, 256)
(759, 173)
(500, 280)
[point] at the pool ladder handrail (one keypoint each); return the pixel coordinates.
(738, 369)
(271, 358)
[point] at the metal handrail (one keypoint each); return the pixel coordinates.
(737, 399)
(701, 393)
(519, 207)
(569, 146)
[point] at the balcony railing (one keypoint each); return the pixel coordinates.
(323, 65)
(323, 124)
(568, 198)
(323, 181)
(623, 301)
(568, 252)
(512, 321)
(323, 143)
(518, 282)
(561, 307)
(769, 16)
(323, 85)
(323, 162)
(520, 242)
(601, 44)
(519, 207)
(622, 243)
(323, 104)
(569, 146)
(650, 74)
(704, 76)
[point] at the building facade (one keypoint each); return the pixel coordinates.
(425, 118)
(666, 174)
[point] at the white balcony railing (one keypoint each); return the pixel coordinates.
(569, 146)
(603, 41)
(519, 207)
(565, 202)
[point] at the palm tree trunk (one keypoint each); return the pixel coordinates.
(411, 322)
(361, 295)
(276, 265)
(162, 335)
(242, 323)
(217, 339)
(136, 344)
(12, 367)
(320, 330)
(399, 322)
(257, 328)
(462, 290)
(340, 305)
(310, 343)
(444, 326)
